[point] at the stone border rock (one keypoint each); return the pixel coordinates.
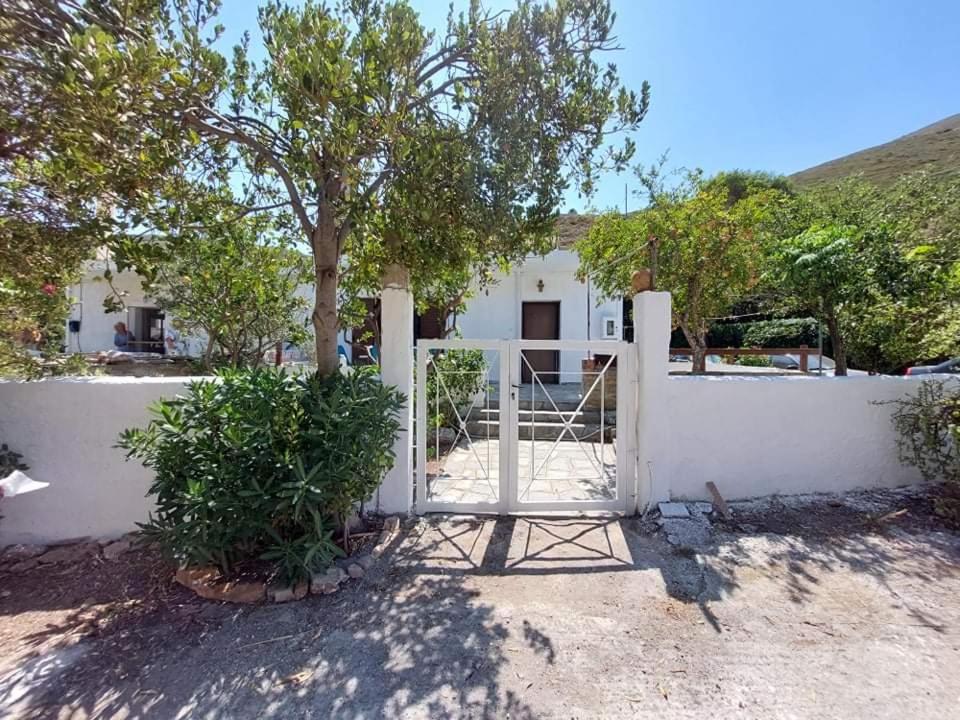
(207, 583)
(21, 558)
(391, 527)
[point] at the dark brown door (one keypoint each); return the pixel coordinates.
(541, 321)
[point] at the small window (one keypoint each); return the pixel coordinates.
(609, 328)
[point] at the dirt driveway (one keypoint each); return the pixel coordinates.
(819, 610)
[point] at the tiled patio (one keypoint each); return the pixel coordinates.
(567, 471)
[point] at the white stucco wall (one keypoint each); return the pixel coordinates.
(495, 313)
(65, 429)
(96, 325)
(757, 436)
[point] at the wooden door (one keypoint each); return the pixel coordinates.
(541, 321)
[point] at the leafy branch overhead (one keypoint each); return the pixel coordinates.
(360, 126)
(711, 236)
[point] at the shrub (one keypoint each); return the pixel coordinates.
(10, 461)
(787, 332)
(725, 335)
(754, 360)
(777, 333)
(464, 374)
(928, 425)
(265, 465)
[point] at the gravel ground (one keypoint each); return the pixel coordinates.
(813, 607)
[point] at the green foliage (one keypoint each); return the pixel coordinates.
(776, 333)
(454, 378)
(234, 284)
(878, 266)
(785, 332)
(822, 264)
(377, 140)
(35, 269)
(928, 424)
(928, 428)
(753, 361)
(262, 464)
(710, 234)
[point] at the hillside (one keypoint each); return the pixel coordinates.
(935, 148)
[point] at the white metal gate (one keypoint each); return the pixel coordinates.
(487, 443)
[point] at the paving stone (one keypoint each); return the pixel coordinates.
(687, 534)
(327, 582)
(673, 510)
(115, 549)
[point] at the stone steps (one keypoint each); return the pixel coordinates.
(544, 415)
(542, 430)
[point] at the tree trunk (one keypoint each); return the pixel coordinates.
(208, 352)
(839, 351)
(326, 270)
(698, 348)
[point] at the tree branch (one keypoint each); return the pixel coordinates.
(238, 135)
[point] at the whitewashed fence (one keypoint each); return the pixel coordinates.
(752, 436)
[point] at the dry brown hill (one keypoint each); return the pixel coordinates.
(935, 149)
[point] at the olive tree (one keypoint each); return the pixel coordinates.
(356, 105)
(710, 236)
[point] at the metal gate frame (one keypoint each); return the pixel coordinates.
(622, 444)
(509, 352)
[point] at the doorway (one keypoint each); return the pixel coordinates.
(540, 321)
(146, 325)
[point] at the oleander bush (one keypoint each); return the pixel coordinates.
(928, 428)
(259, 464)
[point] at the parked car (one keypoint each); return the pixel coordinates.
(792, 362)
(947, 366)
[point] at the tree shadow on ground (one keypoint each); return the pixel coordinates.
(418, 638)
(791, 549)
(800, 546)
(397, 643)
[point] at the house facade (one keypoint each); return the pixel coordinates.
(539, 298)
(542, 299)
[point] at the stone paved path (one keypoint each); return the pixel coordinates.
(546, 472)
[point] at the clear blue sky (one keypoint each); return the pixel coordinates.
(763, 84)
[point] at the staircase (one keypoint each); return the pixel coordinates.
(540, 421)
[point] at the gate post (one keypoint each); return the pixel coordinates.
(396, 368)
(652, 323)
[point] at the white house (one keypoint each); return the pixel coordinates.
(90, 326)
(540, 298)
